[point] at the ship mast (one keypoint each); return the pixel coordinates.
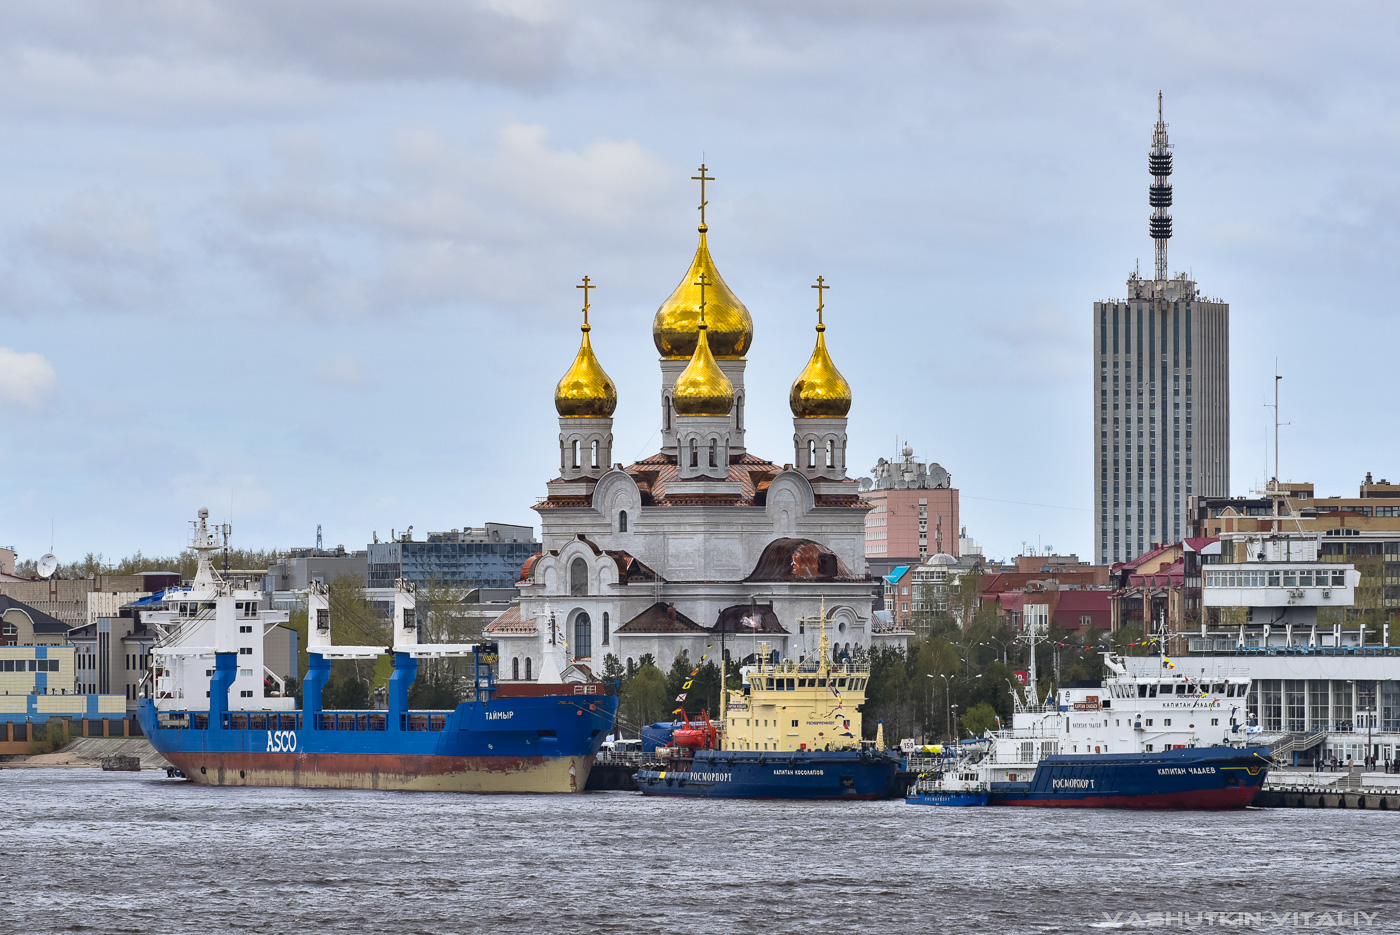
(723, 692)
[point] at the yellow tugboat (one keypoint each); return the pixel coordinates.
(791, 732)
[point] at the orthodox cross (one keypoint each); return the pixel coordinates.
(702, 178)
(821, 287)
(702, 282)
(585, 287)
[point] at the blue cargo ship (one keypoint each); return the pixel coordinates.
(791, 732)
(210, 648)
(525, 744)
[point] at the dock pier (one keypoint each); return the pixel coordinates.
(1351, 789)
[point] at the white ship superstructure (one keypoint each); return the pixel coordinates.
(207, 617)
(1127, 713)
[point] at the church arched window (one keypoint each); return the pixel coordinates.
(593, 454)
(576, 461)
(666, 413)
(831, 452)
(739, 413)
(811, 452)
(578, 577)
(583, 636)
(515, 667)
(714, 452)
(563, 456)
(694, 453)
(527, 669)
(621, 520)
(606, 628)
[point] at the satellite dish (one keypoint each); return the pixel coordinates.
(47, 566)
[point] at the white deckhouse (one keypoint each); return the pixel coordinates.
(702, 542)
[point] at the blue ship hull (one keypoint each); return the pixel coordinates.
(734, 774)
(529, 744)
(959, 799)
(1187, 778)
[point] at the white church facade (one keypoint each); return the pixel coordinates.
(704, 543)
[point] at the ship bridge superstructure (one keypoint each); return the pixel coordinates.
(213, 616)
(1125, 713)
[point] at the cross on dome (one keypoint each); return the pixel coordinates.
(702, 179)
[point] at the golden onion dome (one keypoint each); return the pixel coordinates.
(677, 321)
(585, 391)
(820, 392)
(702, 389)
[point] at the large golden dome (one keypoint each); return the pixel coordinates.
(702, 389)
(820, 392)
(585, 391)
(677, 320)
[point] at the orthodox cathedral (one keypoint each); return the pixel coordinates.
(704, 544)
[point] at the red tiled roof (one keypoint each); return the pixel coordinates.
(660, 618)
(512, 621)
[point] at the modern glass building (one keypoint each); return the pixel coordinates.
(485, 557)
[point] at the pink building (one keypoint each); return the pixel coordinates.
(913, 513)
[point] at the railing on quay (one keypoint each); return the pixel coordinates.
(623, 758)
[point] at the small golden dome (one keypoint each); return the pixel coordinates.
(820, 392)
(677, 320)
(585, 391)
(702, 389)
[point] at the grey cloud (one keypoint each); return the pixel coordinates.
(96, 252)
(513, 43)
(442, 225)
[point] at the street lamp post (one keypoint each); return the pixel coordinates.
(1001, 643)
(947, 694)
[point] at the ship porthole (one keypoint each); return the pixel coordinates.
(242, 774)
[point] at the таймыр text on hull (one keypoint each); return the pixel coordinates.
(1185, 778)
(855, 774)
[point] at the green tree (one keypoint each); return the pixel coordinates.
(612, 669)
(889, 695)
(438, 691)
(964, 595)
(357, 622)
(644, 699)
(346, 692)
(680, 672)
(979, 719)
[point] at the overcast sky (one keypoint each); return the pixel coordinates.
(315, 262)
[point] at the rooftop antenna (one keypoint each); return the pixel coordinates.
(1159, 195)
(318, 537)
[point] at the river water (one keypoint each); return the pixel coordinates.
(86, 851)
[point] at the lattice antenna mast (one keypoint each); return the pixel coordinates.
(1159, 195)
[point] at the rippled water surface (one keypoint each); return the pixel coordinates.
(83, 850)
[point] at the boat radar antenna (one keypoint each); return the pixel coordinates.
(203, 542)
(1159, 195)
